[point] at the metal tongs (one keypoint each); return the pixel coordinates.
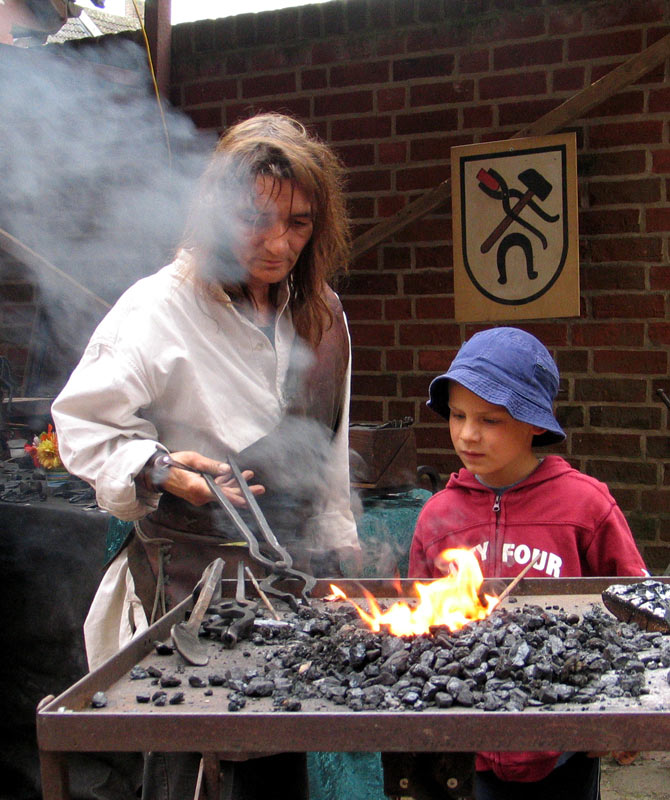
(279, 562)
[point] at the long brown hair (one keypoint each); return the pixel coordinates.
(280, 147)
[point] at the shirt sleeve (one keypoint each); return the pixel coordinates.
(334, 525)
(102, 436)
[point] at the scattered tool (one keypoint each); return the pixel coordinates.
(233, 619)
(278, 562)
(185, 634)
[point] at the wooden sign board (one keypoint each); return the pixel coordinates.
(516, 238)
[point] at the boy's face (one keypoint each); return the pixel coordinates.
(490, 442)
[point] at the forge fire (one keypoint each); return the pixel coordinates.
(325, 656)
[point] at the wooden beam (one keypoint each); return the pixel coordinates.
(158, 27)
(554, 120)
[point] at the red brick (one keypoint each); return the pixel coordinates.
(570, 79)
(631, 102)
(526, 54)
(428, 94)
(312, 79)
(278, 84)
(205, 117)
(438, 37)
(551, 334)
(610, 390)
(572, 361)
(372, 127)
(408, 180)
(504, 26)
(361, 73)
(361, 207)
(426, 121)
(369, 181)
(408, 69)
(434, 360)
(660, 160)
(372, 335)
(604, 444)
(343, 103)
(478, 117)
(210, 91)
(628, 306)
(617, 276)
(600, 45)
(621, 162)
(400, 360)
(659, 100)
(658, 219)
(426, 229)
(617, 14)
(357, 155)
(391, 44)
(370, 283)
(565, 20)
(627, 249)
(362, 308)
(631, 362)
(433, 256)
(523, 113)
(415, 385)
(429, 282)
(426, 334)
(646, 190)
(397, 308)
(469, 62)
(616, 134)
(391, 99)
(296, 106)
(388, 206)
(374, 385)
(614, 220)
(365, 410)
(365, 359)
(441, 308)
(659, 278)
(659, 333)
(518, 85)
(434, 149)
(396, 257)
(324, 52)
(392, 152)
(608, 334)
(656, 502)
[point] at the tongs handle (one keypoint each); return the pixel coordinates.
(240, 524)
(266, 530)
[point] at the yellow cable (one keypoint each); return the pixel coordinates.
(153, 78)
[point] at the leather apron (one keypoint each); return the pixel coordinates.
(171, 547)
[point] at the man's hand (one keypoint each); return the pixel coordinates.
(192, 487)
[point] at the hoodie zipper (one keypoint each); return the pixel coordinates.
(497, 550)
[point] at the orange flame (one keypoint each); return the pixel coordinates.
(453, 601)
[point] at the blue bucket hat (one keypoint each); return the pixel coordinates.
(507, 367)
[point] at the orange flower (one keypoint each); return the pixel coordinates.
(46, 449)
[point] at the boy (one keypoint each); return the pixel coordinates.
(511, 505)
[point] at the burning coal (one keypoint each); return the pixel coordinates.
(452, 601)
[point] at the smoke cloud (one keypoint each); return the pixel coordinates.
(92, 182)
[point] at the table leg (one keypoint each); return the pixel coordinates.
(55, 776)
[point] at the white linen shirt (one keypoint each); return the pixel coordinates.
(166, 368)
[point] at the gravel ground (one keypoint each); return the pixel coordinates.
(647, 778)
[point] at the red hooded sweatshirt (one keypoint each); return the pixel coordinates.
(570, 518)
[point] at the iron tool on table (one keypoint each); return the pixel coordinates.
(278, 560)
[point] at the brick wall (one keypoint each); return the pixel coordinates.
(393, 84)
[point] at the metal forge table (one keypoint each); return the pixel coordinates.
(203, 724)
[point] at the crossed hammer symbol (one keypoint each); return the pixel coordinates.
(495, 186)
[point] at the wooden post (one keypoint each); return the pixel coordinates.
(566, 113)
(159, 33)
